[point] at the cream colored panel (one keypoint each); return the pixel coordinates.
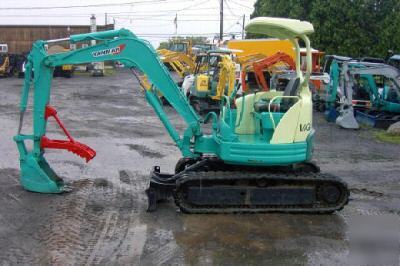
(305, 120)
(286, 129)
(246, 119)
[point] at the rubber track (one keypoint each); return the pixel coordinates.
(225, 175)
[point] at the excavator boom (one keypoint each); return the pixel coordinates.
(266, 63)
(258, 66)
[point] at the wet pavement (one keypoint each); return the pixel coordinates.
(104, 219)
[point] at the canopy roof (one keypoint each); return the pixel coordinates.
(282, 28)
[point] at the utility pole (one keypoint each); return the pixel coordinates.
(244, 20)
(221, 20)
(93, 27)
(105, 19)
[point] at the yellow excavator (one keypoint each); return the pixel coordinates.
(213, 80)
(182, 64)
(5, 69)
(66, 70)
(184, 47)
(179, 57)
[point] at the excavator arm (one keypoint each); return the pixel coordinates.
(180, 62)
(246, 63)
(118, 45)
(266, 63)
(226, 78)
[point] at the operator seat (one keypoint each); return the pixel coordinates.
(292, 89)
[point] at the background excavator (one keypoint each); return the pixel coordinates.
(372, 90)
(394, 61)
(367, 91)
(179, 57)
(65, 71)
(257, 157)
(328, 102)
(181, 63)
(5, 69)
(266, 66)
(213, 79)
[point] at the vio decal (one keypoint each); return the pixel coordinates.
(109, 51)
(305, 127)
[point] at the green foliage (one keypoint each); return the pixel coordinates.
(354, 28)
(387, 137)
(194, 40)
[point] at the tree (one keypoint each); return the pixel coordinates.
(194, 40)
(355, 28)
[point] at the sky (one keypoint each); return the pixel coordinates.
(149, 19)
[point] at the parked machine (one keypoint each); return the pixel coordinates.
(5, 68)
(66, 70)
(182, 52)
(17, 63)
(181, 63)
(355, 86)
(267, 66)
(395, 61)
(328, 101)
(203, 48)
(4, 61)
(257, 157)
(384, 98)
(213, 80)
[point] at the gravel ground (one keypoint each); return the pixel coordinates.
(103, 220)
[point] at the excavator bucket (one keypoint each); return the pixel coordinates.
(41, 177)
(347, 120)
(36, 174)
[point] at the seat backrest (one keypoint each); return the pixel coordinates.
(292, 87)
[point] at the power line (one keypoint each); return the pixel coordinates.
(240, 4)
(186, 34)
(149, 19)
(85, 6)
(128, 14)
(194, 5)
(229, 9)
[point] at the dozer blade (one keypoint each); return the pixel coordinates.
(249, 192)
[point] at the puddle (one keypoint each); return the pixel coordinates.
(258, 238)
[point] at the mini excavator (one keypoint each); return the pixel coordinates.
(213, 79)
(266, 63)
(257, 157)
(361, 96)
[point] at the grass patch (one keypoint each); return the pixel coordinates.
(386, 137)
(109, 71)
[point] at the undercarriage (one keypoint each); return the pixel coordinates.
(208, 185)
